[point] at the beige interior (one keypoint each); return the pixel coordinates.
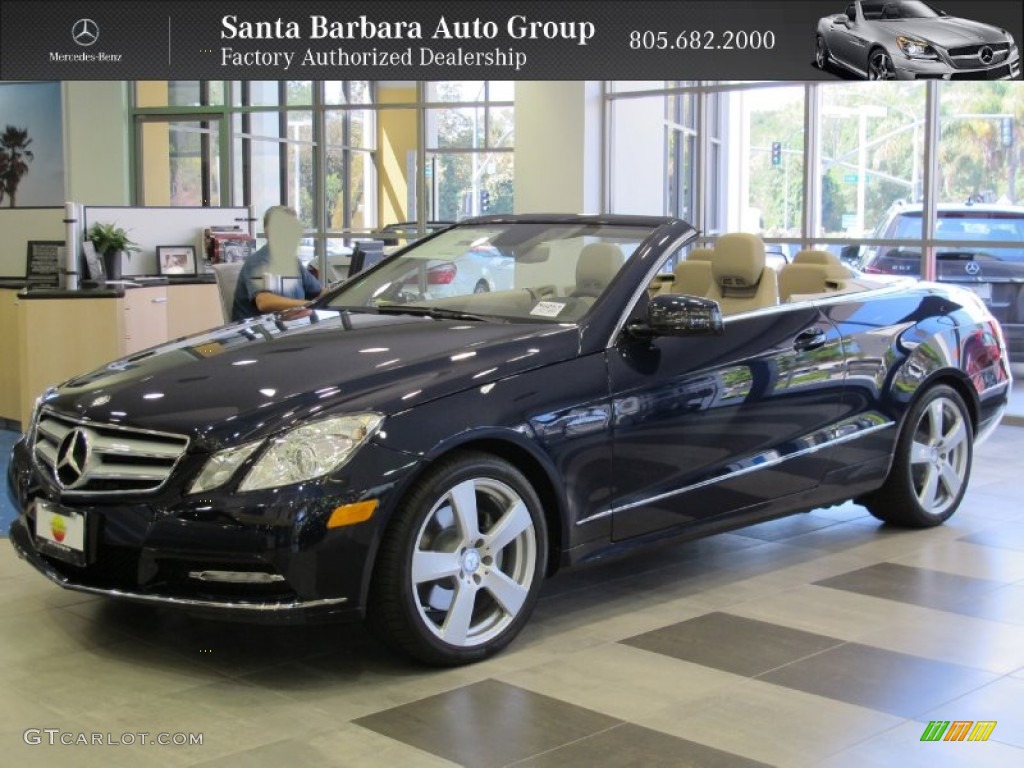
(597, 264)
(812, 272)
(741, 281)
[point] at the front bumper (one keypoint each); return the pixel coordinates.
(922, 69)
(170, 550)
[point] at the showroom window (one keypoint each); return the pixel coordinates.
(827, 165)
(351, 157)
(872, 154)
(470, 133)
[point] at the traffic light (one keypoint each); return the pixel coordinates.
(485, 201)
(776, 153)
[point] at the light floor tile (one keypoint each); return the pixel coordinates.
(771, 724)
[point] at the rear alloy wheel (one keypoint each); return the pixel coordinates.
(880, 66)
(932, 465)
(460, 566)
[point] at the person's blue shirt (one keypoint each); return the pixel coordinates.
(250, 282)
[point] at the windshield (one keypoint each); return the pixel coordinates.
(894, 10)
(544, 272)
(977, 227)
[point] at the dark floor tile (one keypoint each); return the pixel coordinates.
(917, 586)
(632, 746)
(897, 683)
(487, 724)
(1003, 536)
(1005, 605)
(732, 643)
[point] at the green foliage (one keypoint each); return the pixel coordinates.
(110, 237)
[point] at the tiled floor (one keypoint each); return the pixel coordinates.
(820, 640)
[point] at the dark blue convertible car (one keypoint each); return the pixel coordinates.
(424, 461)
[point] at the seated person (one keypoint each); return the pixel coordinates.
(252, 298)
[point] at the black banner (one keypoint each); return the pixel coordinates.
(215, 40)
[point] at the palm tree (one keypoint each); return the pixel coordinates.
(15, 142)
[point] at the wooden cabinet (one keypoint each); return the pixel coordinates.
(44, 341)
(192, 308)
(59, 338)
(9, 384)
(145, 318)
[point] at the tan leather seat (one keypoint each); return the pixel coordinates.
(742, 283)
(812, 272)
(693, 278)
(700, 254)
(596, 265)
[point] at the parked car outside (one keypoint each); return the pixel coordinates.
(995, 273)
(424, 463)
(909, 40)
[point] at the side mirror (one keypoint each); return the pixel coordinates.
(671, 315)
(841, 20)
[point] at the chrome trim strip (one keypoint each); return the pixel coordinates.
(745, 470)
(56, 578)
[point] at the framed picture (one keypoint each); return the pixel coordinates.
(44, 263)
(231, 250)
(93, 262)
(176, 259)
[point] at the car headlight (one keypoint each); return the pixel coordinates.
(916, 49)
(310, 451)
(300, 454)
(221, 466)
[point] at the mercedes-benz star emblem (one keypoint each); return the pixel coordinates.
(73, 459)
(972, 268)
(85, 32)
(986, 55)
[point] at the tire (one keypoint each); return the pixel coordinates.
(880, 66)
(932, 466)
(820, 52)
(481, 287)
(461, 563)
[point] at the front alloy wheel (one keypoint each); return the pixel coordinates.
(460, 567)
(880, 67)
(932, 465)
(820, 52)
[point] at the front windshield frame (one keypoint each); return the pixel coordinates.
(908, 9)
(504, 270)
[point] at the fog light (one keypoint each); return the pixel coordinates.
(236, 577)
(350, 514)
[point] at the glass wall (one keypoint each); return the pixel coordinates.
(818, 164)
(351, 157)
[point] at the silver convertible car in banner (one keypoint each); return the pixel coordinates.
(910, 40)
(425, 461)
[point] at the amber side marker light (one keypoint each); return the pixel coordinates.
(350, 514)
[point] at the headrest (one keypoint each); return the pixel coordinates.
(835, 269)
(598, 263)
(816, 257)
(738, 261)
(701, 254)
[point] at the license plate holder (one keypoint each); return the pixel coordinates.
(60, 533)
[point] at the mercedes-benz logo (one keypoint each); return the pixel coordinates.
(85, 32)
(972, 268)
(986, 55)
(73, 455)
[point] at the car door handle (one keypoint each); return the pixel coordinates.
(812, 338)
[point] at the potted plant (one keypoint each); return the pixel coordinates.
(111, 241)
